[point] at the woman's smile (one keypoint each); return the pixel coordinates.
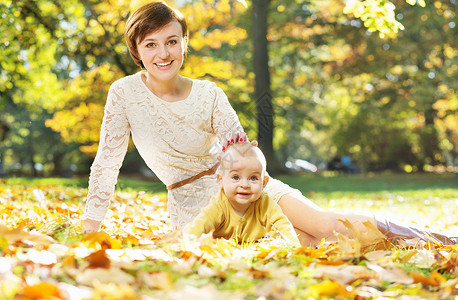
(164, 65)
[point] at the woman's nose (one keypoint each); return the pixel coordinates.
(164, 52)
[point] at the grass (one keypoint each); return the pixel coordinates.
(365, 183)
(325, 183)
(124, 184)
(421, 199)
(424, 200)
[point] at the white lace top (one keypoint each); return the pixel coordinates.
(176, 140)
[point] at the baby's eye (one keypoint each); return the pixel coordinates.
(254, 178)
(236, 177)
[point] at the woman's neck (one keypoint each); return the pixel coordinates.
(172, 90)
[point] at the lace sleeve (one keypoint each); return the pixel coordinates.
(114, 139)
(225, 120)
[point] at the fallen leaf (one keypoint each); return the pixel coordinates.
(158, 280)
(207, 292)
(315, 253)
(348, 245)
(158, 254)
(98, 259)
(451, 286)
(371, 238)
(69, 262)
(99, 238)
(205, 271)
(343, 274)
(90, 277)
(435, 279)
(42, 257)
(42, 290)
(407, 255)
(71, 292)
(423, 259)
(450, 262)
(274, 289)
(377, 255)
(10, 285)
(114, 291)
(327, 288)
(20, 234)
(390, 274)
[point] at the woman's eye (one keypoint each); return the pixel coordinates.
(172, 42)
(150, 45)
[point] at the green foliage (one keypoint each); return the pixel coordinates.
(390, 102)
(25, 143)
(378, 15)
(353, 92)
(65, 233)
(397, 85)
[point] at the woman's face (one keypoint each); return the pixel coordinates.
(162, 51)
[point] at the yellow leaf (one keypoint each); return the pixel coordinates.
(327, 288)
(114, 292)
(99, 239)
(371, 238)
(19, 234)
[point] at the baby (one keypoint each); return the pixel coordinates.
(241, 210)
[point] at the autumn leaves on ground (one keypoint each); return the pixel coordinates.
(43, 255)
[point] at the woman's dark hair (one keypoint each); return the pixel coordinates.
(147, 19)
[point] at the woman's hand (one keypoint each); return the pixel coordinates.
(236, 137)
(91, 226)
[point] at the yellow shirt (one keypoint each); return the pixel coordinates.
(262, 216)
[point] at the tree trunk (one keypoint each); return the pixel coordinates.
(32, 161)
(57, 160)
(31, 153)
(262, 85)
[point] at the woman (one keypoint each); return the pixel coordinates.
(176, 125)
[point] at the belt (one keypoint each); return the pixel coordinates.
(193, 178)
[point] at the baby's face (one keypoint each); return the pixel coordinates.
(242, 178)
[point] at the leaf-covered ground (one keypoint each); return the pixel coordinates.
(43, 255)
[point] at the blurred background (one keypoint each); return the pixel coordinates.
(347, 92)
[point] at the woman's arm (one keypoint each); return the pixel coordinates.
(91, 225)
(114, 139)
(225, 122)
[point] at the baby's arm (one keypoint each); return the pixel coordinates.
(277, 222)
(206, 221)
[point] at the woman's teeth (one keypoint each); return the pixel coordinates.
(163, 64)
